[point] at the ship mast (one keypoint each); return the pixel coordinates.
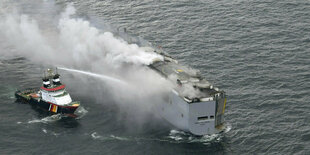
(56, 80)
(46, 81)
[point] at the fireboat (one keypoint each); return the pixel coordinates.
(51, 96)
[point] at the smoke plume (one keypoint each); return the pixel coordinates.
(74, 43)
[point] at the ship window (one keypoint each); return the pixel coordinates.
(202, 118)
(211, 117)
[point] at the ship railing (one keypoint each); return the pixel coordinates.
(28, 91)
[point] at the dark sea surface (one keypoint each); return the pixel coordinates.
(258, 51)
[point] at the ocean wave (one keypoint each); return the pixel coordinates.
(178, 136)
(48, 119)
(95, 135)
(80, 112)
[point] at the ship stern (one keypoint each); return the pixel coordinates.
(207, 116)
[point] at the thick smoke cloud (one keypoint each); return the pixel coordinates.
(76, 40)
(75, 43)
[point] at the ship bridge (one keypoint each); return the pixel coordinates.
(53, 91)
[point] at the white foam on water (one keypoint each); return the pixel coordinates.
(173, 132)
(80, 112)
(55, 134)
(176, 138)
(95, 135)
(176, 135)
(50, 132)
(207, 138)
(47, 119)
(44, 130)
(119, 138)
(183, 137)
(227, 128)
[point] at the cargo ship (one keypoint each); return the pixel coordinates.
(194, 104)
(51, 96)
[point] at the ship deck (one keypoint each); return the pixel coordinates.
(182, 75)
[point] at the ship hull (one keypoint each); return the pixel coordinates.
(46, 106)
(198, 118)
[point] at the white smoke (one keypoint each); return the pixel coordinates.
(75, 43)
(89, 41)
(25, 32)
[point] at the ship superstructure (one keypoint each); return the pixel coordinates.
(194, 104)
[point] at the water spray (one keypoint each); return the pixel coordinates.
(100, 76)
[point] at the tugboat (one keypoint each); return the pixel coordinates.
(51, 96)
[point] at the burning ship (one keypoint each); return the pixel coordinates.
(51, 96)
(194, 104)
